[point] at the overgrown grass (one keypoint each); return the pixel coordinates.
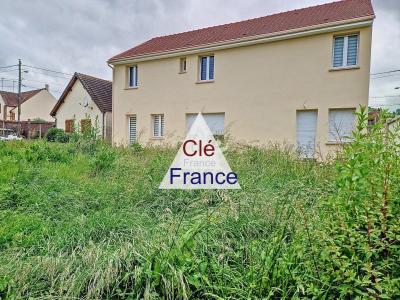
(81, 220)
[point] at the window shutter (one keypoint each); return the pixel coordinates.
(338, 47)
(68, 126)
(352, 50)
(161, 125)
(132, 129)
(211, 68)
(215, 122)
(341, 124)
(156, 126)
(203, 75)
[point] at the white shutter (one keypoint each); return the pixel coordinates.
(214, 121)
(132, 129)
(341, 124)
(158, 125)
(306, 132)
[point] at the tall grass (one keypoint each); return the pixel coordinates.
(84, 220)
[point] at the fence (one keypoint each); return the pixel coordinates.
(29, 129)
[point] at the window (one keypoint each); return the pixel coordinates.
(132, 76)
(306, 132)
(132, 129)
(345, 51)
(86, 125)
(12, 116)
(69, 126)
(207, 68)
(158, 126)
(215, 122)
(182, 66)
(341, 124)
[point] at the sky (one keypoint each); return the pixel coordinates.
(80, 36)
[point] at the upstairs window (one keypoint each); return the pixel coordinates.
(182, 66)
(207, 68)
(158, 126)
(132, 76)
(345, 51)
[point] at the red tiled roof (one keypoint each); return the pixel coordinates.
(311, 16)
(99, 90)
(11, 99)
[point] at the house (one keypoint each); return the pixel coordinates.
(35, 104)
(374, 116)
(85, 102)
(295, 77)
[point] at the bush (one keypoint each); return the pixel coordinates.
(359, 239)
(57, 135)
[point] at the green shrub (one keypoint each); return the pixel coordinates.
(57, 135)
(103, 160)
(360, 238)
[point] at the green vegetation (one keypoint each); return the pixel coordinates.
(85, 220)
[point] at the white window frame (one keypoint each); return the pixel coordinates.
(135, 77)
(339, 138)
(129, 129)
(345, 46)
(207, 67)
(182, 65)
(161, 124)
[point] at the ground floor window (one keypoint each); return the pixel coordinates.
(215, 121)
(69, 126)
(341, 124)
(12, 116)
(158, 125)
(132, 129)
(86, 125)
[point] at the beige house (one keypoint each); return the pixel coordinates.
(35, 104)
(85, 102)
(295, 77)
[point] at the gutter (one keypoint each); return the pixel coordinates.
(253, 40)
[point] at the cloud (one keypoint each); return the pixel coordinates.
(80, 36)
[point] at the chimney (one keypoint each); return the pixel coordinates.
(46, 86)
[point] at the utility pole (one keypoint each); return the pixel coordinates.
(2, 87)
(19, 96)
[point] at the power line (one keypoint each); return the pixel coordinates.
(48, 70)
(4, 67)
(48, 75)
(4, 71)
(388, 96)
(386, 72)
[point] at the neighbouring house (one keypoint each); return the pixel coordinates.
(35, 104)
(86, 102)
(373, 116)
(295, 77)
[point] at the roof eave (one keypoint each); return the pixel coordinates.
(282, 35)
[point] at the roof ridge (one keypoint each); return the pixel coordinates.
(82, 74)
(250, 19)
(16, 93)
(324, 15)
